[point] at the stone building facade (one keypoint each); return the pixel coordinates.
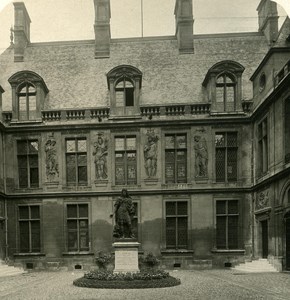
(194, 126)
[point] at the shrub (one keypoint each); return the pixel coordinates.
(150, 260)
(103, 259)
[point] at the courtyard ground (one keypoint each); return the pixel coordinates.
(208, 284)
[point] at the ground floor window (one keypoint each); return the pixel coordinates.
(176, 225)
(29, 228)
(227, 224)
(77, 227)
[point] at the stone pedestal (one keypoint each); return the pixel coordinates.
(126, 257)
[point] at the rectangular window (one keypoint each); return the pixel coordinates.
(29, 228)
(125, 160)
(227, 224)
(176, 225)
(77, 227)
(226, 155)
(135, 221)
(263, 146)
(76, 161)
(175, 158)
(27, 157)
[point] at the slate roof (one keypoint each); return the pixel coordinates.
(76, 79)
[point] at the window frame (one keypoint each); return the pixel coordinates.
(125, 165)
(27, 155)
(29, 220)
(88, 159)
(186, 150)
(226, 147)
(188, 241)
(263, 146)
(66, 229)
(239, 226)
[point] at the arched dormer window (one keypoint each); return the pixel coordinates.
(124, 83)
(28, 94)
(223, 84)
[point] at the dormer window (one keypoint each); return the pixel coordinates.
(27, 102)
(223, 85)
(28, 94)
(124, 83)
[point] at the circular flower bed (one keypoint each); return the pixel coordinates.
(103, 279)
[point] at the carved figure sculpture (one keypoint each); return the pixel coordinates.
(51, 162)
(201, 156)
(100, 152)
(124, 212)
(150, 154)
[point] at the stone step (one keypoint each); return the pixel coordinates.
(6, 270)
(256, 266)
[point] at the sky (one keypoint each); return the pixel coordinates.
(59, 20)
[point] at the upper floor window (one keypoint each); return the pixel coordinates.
(175, 158)
(125, 160)
(76, 161)
(27, 156)
(226, 152)
(223, 85)
(263, 146)
(28, 94)
(124, 83)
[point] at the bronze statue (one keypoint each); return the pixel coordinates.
(124, 212)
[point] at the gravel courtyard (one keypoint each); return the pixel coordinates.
(209, 284)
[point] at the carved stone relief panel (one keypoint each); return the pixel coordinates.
(100, 154)
(150, 153)
(262, 200)
(52, 168)
(201, 154)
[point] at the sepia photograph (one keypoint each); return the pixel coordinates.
(145, 149)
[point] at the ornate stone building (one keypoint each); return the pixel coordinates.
(194, 126)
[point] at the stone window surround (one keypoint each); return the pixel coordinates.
(16, 81)
(235, 70)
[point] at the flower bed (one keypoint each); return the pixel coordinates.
(104, 279)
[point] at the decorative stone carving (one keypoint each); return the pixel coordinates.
(101, 152)
(150, 153)
(51, 159)
(201, 156)
(262, 200)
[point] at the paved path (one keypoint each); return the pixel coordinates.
(209, 284)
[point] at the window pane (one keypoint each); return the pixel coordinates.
(33, 161)
(119, 98)
(82, 174)
(131, 172)
(22, 162)
(232, 165)
(72, 211)
(32, 107)
(131, 143)
(169, 142)
(70, 146)
(230, 94)
(120, 174)
(220, 94)
(83, 211)
(35, 236)
(221, 207)
(23, 212)
(181, 141)
(170, 232)
(22, 147)
(221, 241)
(24, 236)
(34, 212)
(221, 79)
(34, 177)
(82, 146)
(232, 139)
(233, 207)
(220, 140)
(233, 232)
(33, 147)
(182, 232)
(72, 241)
(71, 160)
(182, 208)
(220, 164)
(82, 160)
(84, 239)
(170, 208)
(119, 144)
(23, 177)
(129, 97)
(22, 108)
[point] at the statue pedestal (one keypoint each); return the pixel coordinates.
(126, 257)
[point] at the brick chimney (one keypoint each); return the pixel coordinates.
(1, 92)
(184, 25)
(268, 20)
(102, 28)
(21, 30)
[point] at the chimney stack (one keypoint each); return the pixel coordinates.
(21, 30)
(102, 28)
(184, 25)
(268, 20)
